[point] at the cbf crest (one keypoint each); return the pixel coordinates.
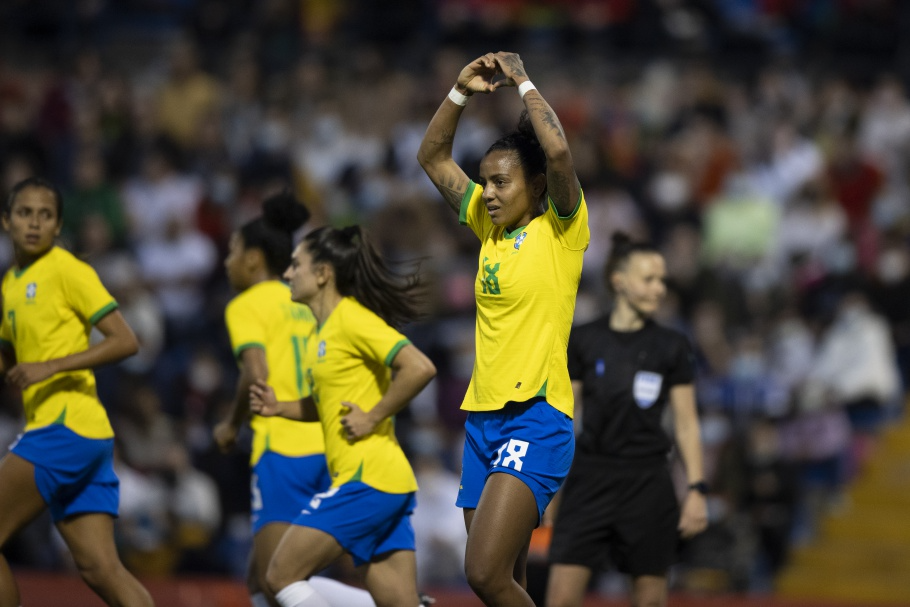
(320, 352)
(646, 388)
(520, 239)
(31, 289)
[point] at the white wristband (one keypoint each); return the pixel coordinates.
(524, 87)
(457, 98)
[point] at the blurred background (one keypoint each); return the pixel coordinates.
(763, 145)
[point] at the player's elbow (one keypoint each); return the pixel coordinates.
(425, 369)
(129, 345)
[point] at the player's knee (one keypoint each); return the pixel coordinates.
(486, 580)
(276, 577)
(98, 572)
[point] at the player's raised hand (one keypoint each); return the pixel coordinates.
(477, 76)
(511, 66)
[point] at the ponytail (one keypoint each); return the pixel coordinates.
(362, 273)
(623, 248)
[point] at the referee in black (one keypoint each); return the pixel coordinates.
(618, 503)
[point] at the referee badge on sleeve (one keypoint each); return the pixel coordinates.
(646, 388)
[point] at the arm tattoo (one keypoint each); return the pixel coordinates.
(558, 189)
(446, 138)
(452, 190)
(516, 66)
(547, 115)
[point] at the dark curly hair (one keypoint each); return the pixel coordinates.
(272, 233)
(523, 141)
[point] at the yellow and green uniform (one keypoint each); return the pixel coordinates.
(49, 308)
(348, 360)
(526, 285)
(264, 316)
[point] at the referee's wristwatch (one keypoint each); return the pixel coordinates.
(700, 486)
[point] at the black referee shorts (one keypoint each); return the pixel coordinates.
(620, 513)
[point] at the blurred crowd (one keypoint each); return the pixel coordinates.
(763, 145)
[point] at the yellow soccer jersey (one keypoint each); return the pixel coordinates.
(525, 290)
(264, 317)
(348, 359)
(49, 308)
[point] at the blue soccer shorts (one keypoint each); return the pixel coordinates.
(532, 441)
(282, 485)
(74, 474)
(364, 521)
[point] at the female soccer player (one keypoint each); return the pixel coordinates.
(619, 500)
(529, 213)
(268, 334)
(350, 360)
(64, 459)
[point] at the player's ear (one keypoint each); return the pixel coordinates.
(618, 282)
(252, 257)
(324, 273)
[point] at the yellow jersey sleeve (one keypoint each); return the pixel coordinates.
(245, 325)
(572, 231)
(473, 213)
(85, 294)
(376, 340)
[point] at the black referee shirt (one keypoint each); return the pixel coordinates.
(627, 379)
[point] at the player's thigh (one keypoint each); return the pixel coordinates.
(501, 526)
(302, 552)
(566, 585)
(265, 542)
(468, 517)
(392, 579)
(20, 500)
(90, 538)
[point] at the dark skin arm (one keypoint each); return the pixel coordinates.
(253, 367)
(562, 183)
(119, 342)
(435, 153)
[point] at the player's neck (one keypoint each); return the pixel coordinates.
(626, 318)
(24, 260)
(324, 304)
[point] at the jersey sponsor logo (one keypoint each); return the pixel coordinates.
(646, 388)
(490, 280)
(31, 289)
(514, 450)
(520, 239)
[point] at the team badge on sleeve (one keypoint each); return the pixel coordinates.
(646, 388)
